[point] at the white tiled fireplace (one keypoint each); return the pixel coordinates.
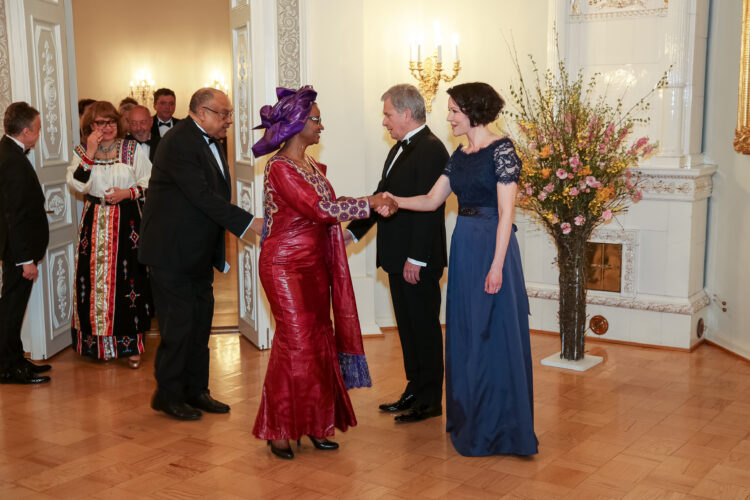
(661, 299)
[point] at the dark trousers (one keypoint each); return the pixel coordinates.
(417, 309)
(15, 297)
(185, 309)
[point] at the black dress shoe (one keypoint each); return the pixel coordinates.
(22, 375)
(180, 411)
(37, 368)
(406, 402)
(323, 444)
(205, 402)
(285, 453)
(420, 413)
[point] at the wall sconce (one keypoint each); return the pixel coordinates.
(217, 82)
(142, 90)
(430, 71)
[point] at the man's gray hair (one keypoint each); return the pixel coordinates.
(202, 96)
(405, 96)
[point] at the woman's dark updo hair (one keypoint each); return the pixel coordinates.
(479, 101)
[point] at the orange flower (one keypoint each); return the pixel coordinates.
(544, 153)
(546, 173)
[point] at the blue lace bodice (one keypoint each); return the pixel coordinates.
(474, 176)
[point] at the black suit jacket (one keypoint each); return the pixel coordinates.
(22, 212)
(188, 205)
(155, 126)
(152, 142)
(416, 235)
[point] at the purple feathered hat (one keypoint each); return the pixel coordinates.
(285, 118)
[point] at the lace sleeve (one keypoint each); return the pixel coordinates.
(507, 162)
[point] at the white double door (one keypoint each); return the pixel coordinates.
(40, 73)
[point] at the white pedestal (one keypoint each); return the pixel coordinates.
(582, 365)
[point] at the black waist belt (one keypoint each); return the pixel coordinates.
(95, 200)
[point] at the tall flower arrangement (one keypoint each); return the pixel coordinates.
(578, 153)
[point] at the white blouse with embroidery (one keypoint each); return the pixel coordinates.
(106, 174)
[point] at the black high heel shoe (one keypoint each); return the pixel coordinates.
(285, 453)
(323, 444)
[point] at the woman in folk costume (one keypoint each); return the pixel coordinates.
(112, 294)
(304, 270)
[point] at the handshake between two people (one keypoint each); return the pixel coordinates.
(383, 203)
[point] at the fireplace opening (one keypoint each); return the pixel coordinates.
(604, 264)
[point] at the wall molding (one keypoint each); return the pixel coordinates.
(689, 306)
(288, 21)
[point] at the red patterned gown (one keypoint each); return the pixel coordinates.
(304, 271)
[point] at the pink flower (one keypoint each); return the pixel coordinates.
(573, 191)
(575, 161)
(570, 176)
(554, 219)
(607, 214)
(529, 191)
(610, 129)
(561, 173)
(637, 196)
(592, 182)
(566, 227)
(542, 196)
(532, 145)
(579, 220)
(549, 187)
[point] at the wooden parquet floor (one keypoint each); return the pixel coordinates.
(646, 424)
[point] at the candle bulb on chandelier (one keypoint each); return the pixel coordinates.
(455, 47)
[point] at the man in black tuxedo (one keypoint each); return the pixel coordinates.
(164, 104)
(24, 221)
(411, 249)
(139, 129)
(187, 209)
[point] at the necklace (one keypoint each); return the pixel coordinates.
(107, 149)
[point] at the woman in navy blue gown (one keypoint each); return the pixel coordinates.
(488, 378)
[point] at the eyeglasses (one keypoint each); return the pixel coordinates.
(315, 120)
(223, 114)
(105, 123)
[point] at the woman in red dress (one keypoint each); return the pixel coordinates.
(304, 270)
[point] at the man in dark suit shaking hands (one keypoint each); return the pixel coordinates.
(187, 210)
(24, 221)
(411, 249)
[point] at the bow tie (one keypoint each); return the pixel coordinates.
(403, 143)
(166, 124)
(210, 139)
(146, 142)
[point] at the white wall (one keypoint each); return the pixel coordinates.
(359, 48)
(727, 271)
(180, 42)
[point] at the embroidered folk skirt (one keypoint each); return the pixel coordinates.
(113, 305)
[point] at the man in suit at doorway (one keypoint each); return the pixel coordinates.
(187, 210)
(164, 105)
(24, 221)
(411, 249)
(140, 129)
